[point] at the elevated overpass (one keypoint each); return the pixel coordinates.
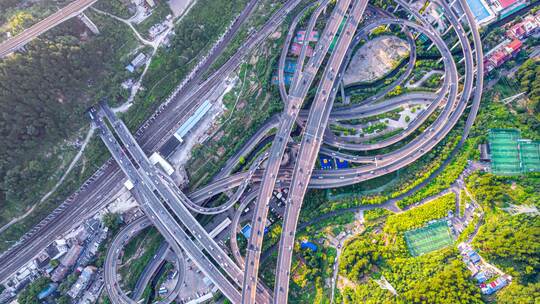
(71, 10)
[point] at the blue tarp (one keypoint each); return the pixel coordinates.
(309, 245)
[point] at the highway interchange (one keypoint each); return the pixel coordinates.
(168, 208)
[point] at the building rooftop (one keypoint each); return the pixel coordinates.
(507, 3)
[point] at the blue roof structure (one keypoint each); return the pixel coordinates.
(475, 258)
(342, 164)
(308, 245)
(246, 231)
(481, 277)
(327, 163)
(193, 119)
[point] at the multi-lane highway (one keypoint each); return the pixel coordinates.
(112, 286)
(453, 108)
(300, 85)
(152, 200)
(169, 209)
(71, 10)
(309, 148)
(100, 189)
(174, 201)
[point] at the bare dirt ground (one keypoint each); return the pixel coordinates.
(179, 6)
(375, 59)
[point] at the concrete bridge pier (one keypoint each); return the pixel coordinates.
(89, 24)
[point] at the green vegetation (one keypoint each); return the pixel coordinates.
(112, 221)
(434, 81)
(437, 277)
(120, 8)
(310, 270)
(528, 76)
(30, 293)
(137, 244)
(342, 130)
(62, 103)
(194, 36)
(442, 181)
(17, 15)
(512, 242)
(375, 214)
(45, 116)
(359, 258)
(518, 293)
(132, 267)
(418, 216)
(392, 114)
(252, 101)
(68, 282)
(375, 128)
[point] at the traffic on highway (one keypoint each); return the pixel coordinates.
(296, 137)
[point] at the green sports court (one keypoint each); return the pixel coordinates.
(511, 155)
(529, 152)
(503, 145)
(429, 238)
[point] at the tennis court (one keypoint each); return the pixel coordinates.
(504, 151)
(429, 238)
(530, 155)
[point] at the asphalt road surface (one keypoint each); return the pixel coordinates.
(71, 10)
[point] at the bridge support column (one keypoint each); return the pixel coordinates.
(343, 96)
(448, 29)
(89, 24)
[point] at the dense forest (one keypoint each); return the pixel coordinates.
(511, 242)
(44, 92)
(528, 76)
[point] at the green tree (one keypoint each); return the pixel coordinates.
(449, 286)
(521, 294)
(64, 299)
(30, 293)
(358, 257)
(112, 221)
(513, 243)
